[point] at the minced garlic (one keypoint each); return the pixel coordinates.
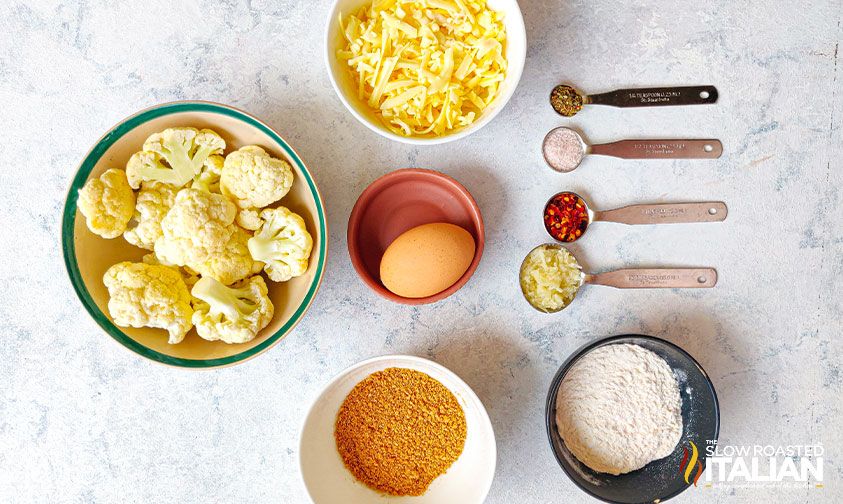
(550, 278)
(426, 67)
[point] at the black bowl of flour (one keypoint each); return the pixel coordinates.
(660, 479)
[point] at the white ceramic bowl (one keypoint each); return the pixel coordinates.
(516, 54)
(327, 480)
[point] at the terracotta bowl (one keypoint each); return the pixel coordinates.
(400, 201)
(87, 256)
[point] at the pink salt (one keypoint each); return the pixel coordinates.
(563, 149)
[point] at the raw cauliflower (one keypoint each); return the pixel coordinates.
(249, 218)
(107, 203)
(174, 156)
(146, 295)
(154, 201)
(283, 243)
(189, 276)
(199, 232)
(231, 314)
(254, 179)
(209, 178)
(233, 262)
(198, 224)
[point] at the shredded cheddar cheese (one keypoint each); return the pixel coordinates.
(427, 67)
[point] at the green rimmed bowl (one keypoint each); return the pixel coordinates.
(87, 256)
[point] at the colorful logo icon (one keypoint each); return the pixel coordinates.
(687, 466)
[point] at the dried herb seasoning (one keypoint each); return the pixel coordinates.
(566, 100)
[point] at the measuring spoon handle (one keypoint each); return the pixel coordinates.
(658, 278)
(665, 213)
(661, 149)
(656, 97)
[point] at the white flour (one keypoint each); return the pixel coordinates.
(618, 409)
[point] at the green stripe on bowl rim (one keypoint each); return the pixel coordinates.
(69, 221)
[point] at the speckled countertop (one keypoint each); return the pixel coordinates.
(84, 420)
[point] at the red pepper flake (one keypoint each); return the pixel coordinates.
(565, 217)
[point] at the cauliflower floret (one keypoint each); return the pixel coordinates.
(283, 243)
(199, 232)
(233, 262)
(145, 295)
(249, 218)
(198, 224)
(174, 156)
(189, 276)
(107, 203)
(209, 178)
(254, 179)
(231, 314)
(154, 201)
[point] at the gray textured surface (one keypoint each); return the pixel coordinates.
(83, 420)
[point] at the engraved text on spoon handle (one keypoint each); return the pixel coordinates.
(665, 213)
(658, 278)
(656, 97)
(661, 149)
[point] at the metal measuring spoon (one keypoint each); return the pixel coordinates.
(655, 213)
(567, 101)
(564, 149)
(627, 278)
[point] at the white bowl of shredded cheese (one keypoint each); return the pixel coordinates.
(425, 71)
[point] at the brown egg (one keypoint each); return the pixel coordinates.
(427, 259)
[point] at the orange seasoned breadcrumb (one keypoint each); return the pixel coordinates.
(398, 430)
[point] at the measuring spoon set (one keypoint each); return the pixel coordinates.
(564, 149)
